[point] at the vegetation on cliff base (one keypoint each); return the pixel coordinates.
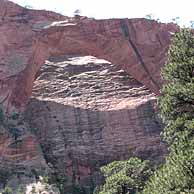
(125, 176)
(176, 104)
(176, 175)
(177, 110)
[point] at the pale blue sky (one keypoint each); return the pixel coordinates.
(165, 10)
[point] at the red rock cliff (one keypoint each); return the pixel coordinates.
(84, 112)
(29, 37)
(87, 113)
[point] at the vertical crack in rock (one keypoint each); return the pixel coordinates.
(125, 29)
(84, 112)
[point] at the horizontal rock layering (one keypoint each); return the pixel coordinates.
(86, 113)
(29, 37)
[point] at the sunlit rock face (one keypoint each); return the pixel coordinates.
(29, 37)
(85, 112)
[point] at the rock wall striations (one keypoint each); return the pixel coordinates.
(85, 113)
(77, 93)
(29, 37)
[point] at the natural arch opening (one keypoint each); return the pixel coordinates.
(81, 112)
(138, 46)
(87, 112)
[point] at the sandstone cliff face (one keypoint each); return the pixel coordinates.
(28, 38)
(86, 113)
(21, 159)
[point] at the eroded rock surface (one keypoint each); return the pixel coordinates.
(86, 112)
(29, 37)
(21, 159)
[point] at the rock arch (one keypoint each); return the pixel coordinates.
(29, 37)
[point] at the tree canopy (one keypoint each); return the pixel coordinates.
(125, 177)
(176, 105)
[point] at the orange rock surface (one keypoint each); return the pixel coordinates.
(29, 37)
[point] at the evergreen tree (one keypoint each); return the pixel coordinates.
(125, 177)
(176, 104)
(177, 100)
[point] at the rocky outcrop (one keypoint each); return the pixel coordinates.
(28, 38)
(21, 159)
(86, 112)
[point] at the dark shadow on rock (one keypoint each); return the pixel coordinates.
(78, 141)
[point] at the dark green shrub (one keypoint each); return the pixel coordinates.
(15, 116)
(1, 116)
(15, 132)
(176, 104)
(124, 177)
(7, 190)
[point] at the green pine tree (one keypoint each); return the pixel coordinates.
(124, 177)
(176, 104)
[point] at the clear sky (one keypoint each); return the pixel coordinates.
(165, 10)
